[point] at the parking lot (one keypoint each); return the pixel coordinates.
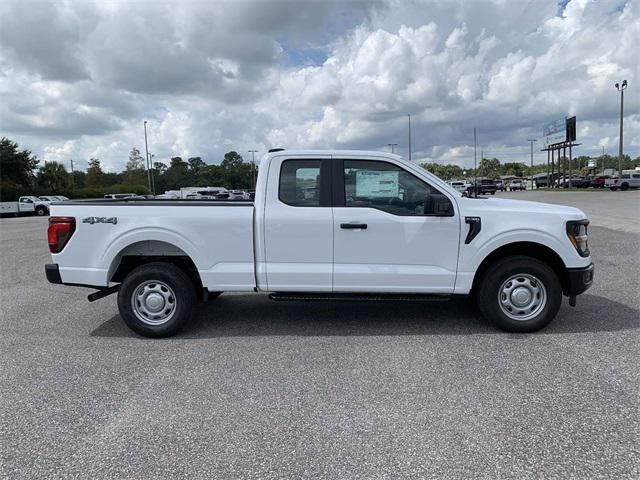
(259, 389)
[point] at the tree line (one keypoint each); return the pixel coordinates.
(492, 167)
(22, 174)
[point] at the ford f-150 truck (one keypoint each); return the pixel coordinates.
(325, 225)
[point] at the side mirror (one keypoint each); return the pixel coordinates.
(438, 205)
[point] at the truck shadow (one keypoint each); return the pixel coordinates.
(238, 315)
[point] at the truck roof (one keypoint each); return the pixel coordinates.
(335, 153)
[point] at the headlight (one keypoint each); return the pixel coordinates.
(577, 233)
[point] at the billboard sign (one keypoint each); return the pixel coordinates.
(591, 163)
(555, 131)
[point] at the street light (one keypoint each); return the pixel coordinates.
(409, 115)
(146, 149)
(253, 168)
(621, 89)
(531, 142)
(392, 145)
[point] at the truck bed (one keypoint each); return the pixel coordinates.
(218, 239)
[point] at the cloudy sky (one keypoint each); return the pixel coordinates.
(78, 78)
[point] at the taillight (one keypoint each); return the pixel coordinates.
(59, 232)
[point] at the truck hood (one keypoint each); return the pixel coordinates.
(477, 206)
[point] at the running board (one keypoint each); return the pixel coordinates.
(357, 297)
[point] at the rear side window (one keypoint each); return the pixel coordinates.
(300, 183)
(635, 175)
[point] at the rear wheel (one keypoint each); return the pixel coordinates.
(519, 294)
(157, 299)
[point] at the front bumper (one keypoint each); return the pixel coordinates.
(580, 280)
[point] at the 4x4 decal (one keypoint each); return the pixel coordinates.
(93, 220)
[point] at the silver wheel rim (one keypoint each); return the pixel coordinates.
(153, 302)
(522, 297)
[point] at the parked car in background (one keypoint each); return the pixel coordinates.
(500, 185)
(482, 187)
(598, 182)
(238, 195)
(629, 179)
(119, 196)
(167, 196)
(460, 185)
(515, 185)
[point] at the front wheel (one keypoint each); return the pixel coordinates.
(624, 187)
(519, 294)
(41, 211)
(157, 300)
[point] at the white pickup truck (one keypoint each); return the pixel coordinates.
(325, 225)
(26, 204)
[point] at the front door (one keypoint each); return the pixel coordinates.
(299, 225)
(390, 234)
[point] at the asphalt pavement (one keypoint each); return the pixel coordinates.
(259, 389)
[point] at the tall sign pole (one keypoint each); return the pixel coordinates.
(531, 142)
(146, 149)
(253, 168)
(475, 164)
(409, 115)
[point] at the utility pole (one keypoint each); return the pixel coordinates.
(71, 166)
(153, 179)
(409, 115)
(146, 149)
(392, 145)
(253, 168)
(621, 89)
(531, 142)
(475, 164)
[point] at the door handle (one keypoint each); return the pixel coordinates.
(353, 226)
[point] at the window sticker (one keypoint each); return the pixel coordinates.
(372, 184)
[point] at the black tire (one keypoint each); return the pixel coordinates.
(489, 293)
(41, 211)
(154, 276)
(624, 187)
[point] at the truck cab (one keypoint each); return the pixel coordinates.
(325, 225)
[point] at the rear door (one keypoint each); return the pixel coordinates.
(298, 223)
(387, 237)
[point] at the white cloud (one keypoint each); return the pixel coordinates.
(257, 74)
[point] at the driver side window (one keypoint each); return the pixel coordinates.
(388, 188)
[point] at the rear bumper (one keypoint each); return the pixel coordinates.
(580, 280)
(53, 273)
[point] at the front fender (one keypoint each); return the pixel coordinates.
(490, 245)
